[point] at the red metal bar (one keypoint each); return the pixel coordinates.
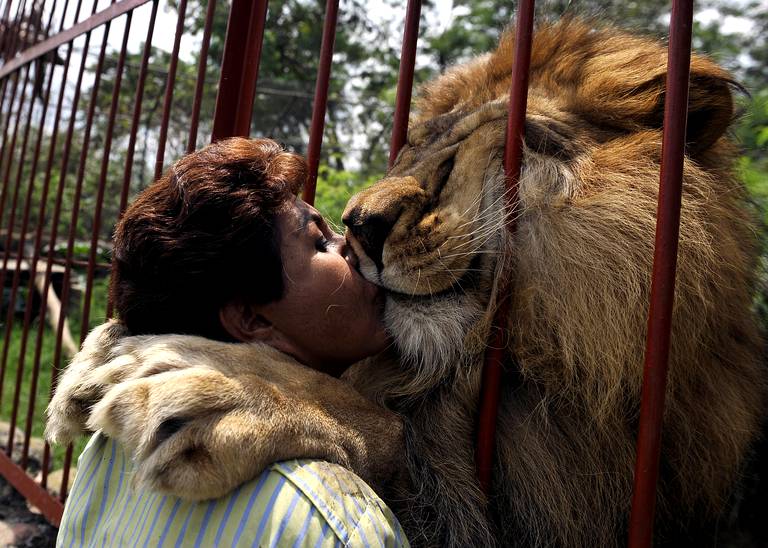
(136, 119)
(7, 18)
(168, 99)
(41, 215)
(7, 160)
(72, 233)
(72, 228)
(95, 20)
(320, 105)
(239, 69)
(14, 36)
(103, 181)
(19, 166)
(12, 220)
(25, 216)
(33, 272)
(201, 66)
(34, 493)
(405, 79)
(22, 237)
(17, 272)
(55, 225)
(663, 281)
(513, 156)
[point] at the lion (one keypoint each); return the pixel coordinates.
(432, 233)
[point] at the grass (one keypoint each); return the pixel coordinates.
(47, 346)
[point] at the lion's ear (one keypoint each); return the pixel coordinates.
(710, 107)
(632, 96)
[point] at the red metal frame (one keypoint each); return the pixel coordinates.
(320, 105)
(135, 119)
(663, 281)
(16, 80)
(210, 12)
(498, 347)
(239, 69)
(168, 98)
(96, 20)
(51, 508)
(405, 79)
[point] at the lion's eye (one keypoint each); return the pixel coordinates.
(322, 244)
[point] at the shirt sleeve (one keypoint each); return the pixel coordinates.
(347, 509)
(377, 527)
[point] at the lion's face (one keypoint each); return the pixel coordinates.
(432, 232)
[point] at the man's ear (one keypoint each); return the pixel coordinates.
(245, 323)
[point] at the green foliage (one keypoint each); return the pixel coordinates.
(334, 189)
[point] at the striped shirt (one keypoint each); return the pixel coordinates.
(293, 503)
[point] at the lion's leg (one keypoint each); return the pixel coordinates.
(181, 403)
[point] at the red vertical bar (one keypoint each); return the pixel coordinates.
(320, 105)
(239, 69)
(22, 235)
(663, 281)
(72, 233)
(13, 38)
(405, 79)
(41, 217)
(103, 180)
(135, 121)
(55, 227)
(5, 36)
(25, 217)
(31, 286)
(136, 118)
(168, 99)
(9, 158)
(513, 157)
(11, 223)
(201, 66)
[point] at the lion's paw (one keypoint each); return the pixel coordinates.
(187, 431)
(84, 381)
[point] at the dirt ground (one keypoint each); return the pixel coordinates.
(20, 526)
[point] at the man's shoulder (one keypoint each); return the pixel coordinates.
(293, 503)
(350, 507)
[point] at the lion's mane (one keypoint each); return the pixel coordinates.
(581, 260)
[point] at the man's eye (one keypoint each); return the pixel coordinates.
(322, 245)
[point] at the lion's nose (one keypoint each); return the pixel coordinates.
(370, 230)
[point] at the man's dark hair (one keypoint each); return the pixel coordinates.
(202, 235)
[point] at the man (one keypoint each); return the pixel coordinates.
(221, 247)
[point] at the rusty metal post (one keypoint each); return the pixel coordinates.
(201, 66)
(513, 157)
(405, 79)
(135, 121)
(320, 104)
(169, 84)
(663, 281)
(239, 69)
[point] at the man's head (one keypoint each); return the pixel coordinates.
(221, 247)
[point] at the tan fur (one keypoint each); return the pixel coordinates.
(581, 262)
